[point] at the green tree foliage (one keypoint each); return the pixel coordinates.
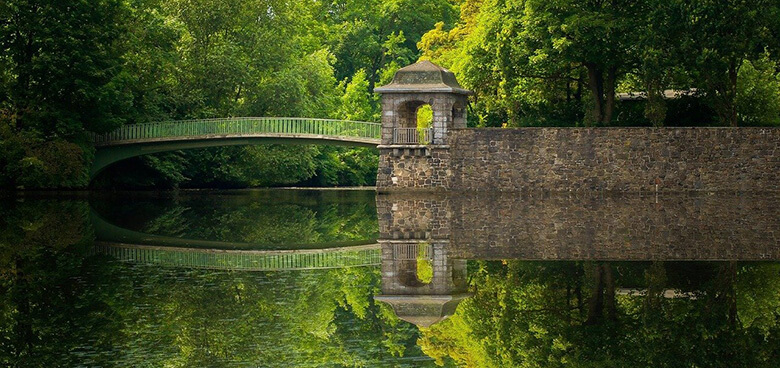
(73, 68)
(561, 62)
(358, 102)
(62, 74)
(70, 68)
(29, 161)
(758, 93)
(370, 35)
(274, 218)
(66, 65)
(724, 35)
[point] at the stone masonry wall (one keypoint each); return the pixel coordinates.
(421, 218)
(413, 168)
(615, 159)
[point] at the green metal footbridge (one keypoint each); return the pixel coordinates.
(141, 139)
(244, 260)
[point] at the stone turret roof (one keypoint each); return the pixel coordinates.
(423, 76)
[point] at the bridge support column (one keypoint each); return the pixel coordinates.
(414, 157)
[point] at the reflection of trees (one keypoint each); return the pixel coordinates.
(46, 316)
(313, 318)
(60, 305)
(536, 314)
(278, 219)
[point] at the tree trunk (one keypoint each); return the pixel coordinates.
(610, 302)
(732, 96)
(23, 335)
(609, 95)
(596, 85)
(730, 291)
(578, 91)
(596, 301)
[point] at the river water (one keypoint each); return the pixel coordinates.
(345, 278)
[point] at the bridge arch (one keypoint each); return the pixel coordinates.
(142, 139)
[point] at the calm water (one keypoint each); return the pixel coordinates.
(343, 278)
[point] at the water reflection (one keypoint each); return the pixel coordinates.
(62, 304)
(595, 227)
(264, 219)
(487, 281)
(420, 281)
(586, 281)
(574, 314)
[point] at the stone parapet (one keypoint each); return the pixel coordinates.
(615, 159)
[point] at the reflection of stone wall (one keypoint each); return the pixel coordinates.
(616, 159)
(563, 227)
(419, 168)
(399, 272)
(403, 217)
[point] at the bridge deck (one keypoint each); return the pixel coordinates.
(241, 127)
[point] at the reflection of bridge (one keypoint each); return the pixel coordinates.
(130, 245)
(245, 260)
(141, 139)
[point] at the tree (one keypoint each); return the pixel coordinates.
(65, 65)
(723, 35)
(758, 93)
(531, 314)
(357, 102)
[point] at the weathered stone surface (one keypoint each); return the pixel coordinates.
(589, 226)
(399, 110)
(425, 218)
(425, 168)
(616, 159)
(423, 76)
(594, 159)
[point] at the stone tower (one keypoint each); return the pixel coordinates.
(413, 157)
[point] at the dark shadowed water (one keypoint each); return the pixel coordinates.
(291, 278)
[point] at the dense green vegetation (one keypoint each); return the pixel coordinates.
(566, 314)
(561, 62)
(68, 68)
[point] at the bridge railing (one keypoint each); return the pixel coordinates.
(359, 256)
(241, 126)
(412, 135)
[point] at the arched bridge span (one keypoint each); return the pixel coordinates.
(141, 139)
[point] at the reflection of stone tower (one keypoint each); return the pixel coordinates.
(413, 157)
(419, 280)
(421, 284)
